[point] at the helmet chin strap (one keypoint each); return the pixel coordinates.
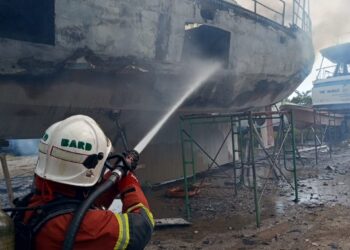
(92, 160)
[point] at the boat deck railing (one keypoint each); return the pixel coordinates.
(301, 17)
(288, 13)
(325, 72)
(329, 72)
(278, 14)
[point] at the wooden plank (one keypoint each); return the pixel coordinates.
(307, 149)
(7, 178)
(171, 222)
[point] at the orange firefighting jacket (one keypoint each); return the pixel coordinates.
(100, 229)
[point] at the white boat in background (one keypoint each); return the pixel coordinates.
(331, 90)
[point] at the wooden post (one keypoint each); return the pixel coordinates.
(7, 177)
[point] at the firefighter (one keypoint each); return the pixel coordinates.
(63, 180)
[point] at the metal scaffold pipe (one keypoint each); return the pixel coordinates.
(255, 188)
(294, 160)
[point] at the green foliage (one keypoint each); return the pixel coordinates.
(302, 98)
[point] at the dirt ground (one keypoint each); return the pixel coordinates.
(221, 220)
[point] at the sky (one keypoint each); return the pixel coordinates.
(331, 26)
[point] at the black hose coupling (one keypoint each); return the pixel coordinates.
(132, 158)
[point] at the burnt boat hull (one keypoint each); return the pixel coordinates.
(134, 58)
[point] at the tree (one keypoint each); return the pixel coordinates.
(302, 98)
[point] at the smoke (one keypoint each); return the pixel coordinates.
(330, 19)
(24, 147)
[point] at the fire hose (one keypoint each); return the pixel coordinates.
(126, 162)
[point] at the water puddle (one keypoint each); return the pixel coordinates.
(21, 186)
(325, 190)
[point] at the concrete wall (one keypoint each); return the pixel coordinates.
(154, 29)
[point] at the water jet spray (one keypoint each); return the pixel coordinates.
(196, 84)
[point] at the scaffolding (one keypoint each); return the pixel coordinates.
(243, 133)
(321, 131)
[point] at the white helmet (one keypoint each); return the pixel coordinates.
(73, 152)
